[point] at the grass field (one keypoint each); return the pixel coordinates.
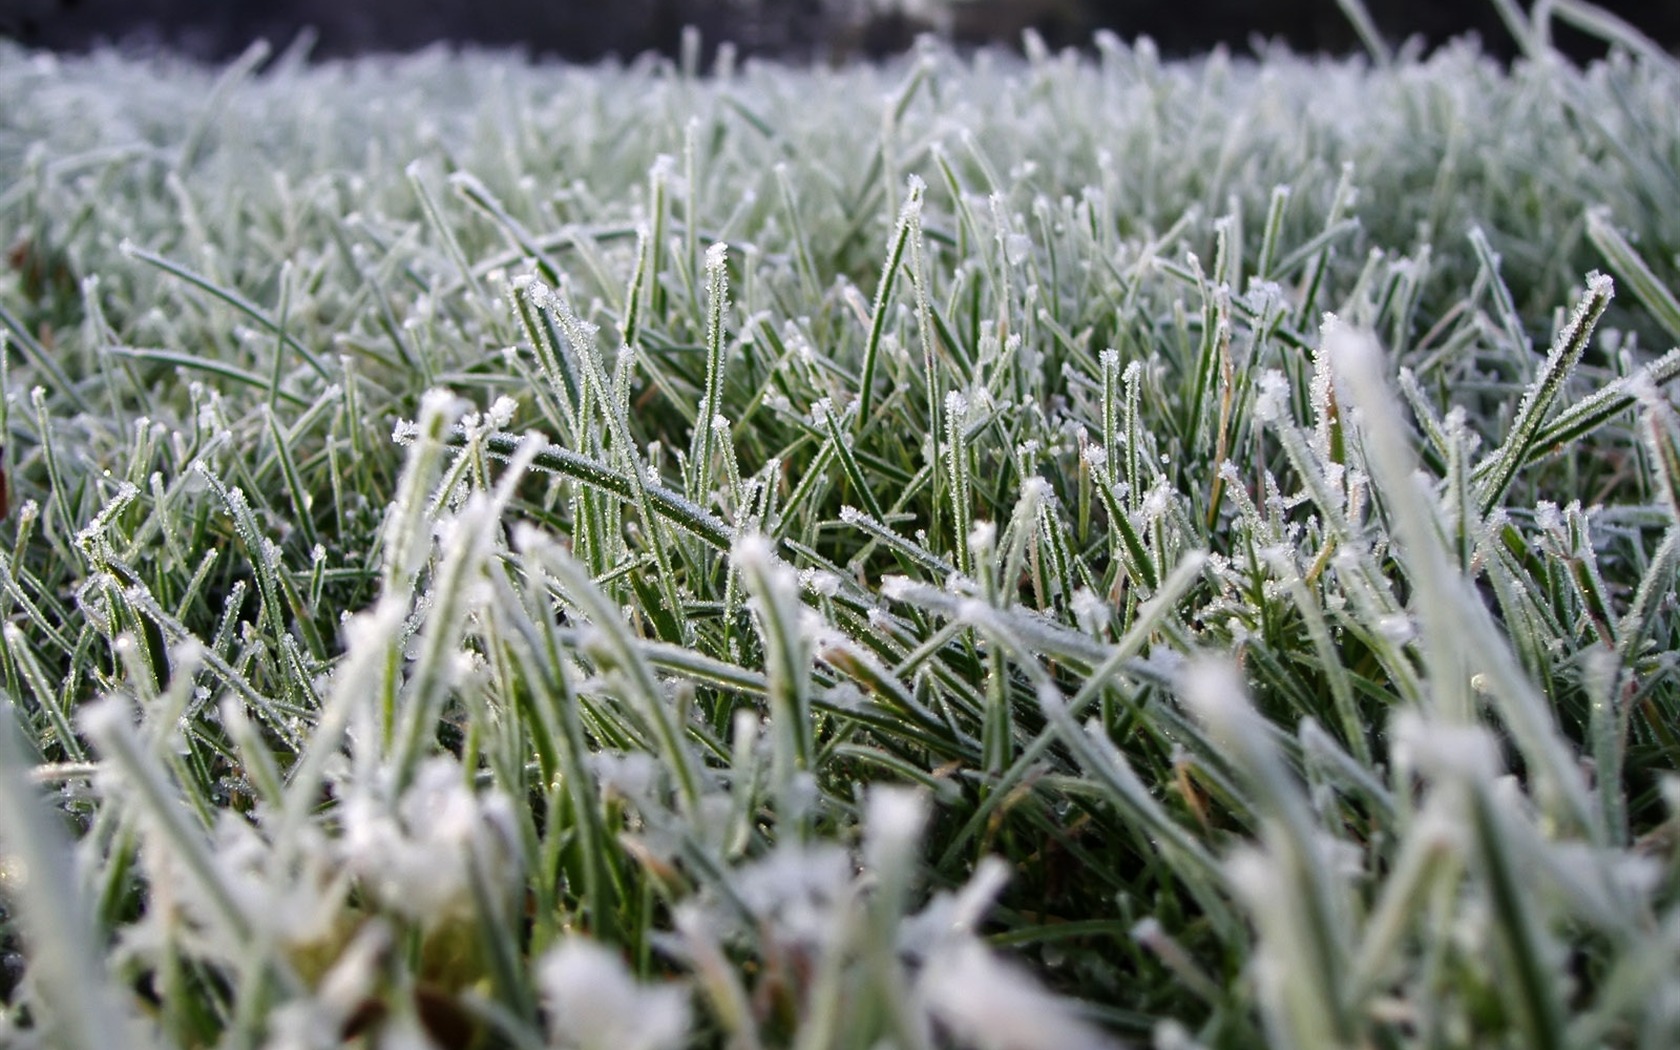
(1004, 552)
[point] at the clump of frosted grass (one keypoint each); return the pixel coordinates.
(416, 854)
(596, 1004)
(1100, 557)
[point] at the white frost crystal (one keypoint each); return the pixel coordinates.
(594, 1002)
(415, 857)
(996, 1005)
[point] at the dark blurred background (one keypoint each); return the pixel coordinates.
(823, 30)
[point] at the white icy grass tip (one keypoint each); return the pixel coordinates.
(821, 409)
(101, 718)
(502, 411)
(440, 402)
(1256, 877)
(297, 905)
(955, 915)
(820, 582)
(1439, 750)
(753, 553)
(1090, 611)
(893, 823)
(415, 857)
(536, 293)
(1353, 354)
(1642, 388)
(595, 1004)
(992, 1004)
(1397, 628)
(1157, 501)
(1271, 403)
(798, 891)
(1036, 489)
(1213, 688)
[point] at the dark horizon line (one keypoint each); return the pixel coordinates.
(797, 34)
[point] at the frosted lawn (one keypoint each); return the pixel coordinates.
(977, 551)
